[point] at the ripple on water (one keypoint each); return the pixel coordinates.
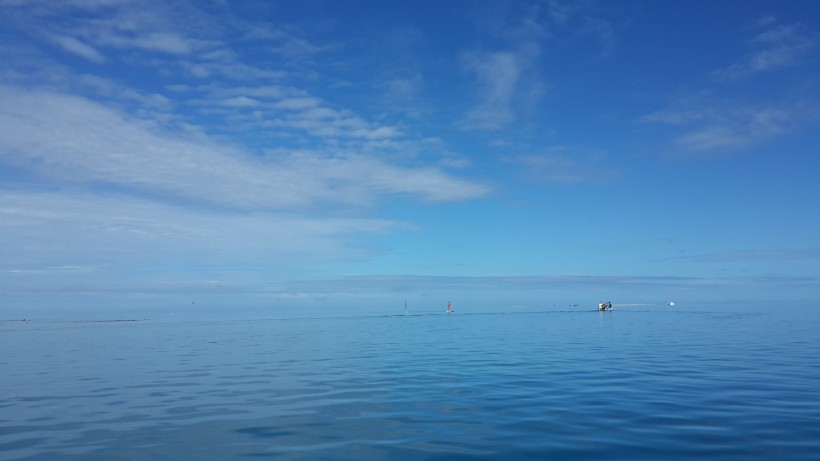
(562, 385)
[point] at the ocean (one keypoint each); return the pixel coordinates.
(636, 383)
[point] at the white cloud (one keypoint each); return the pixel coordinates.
(239, 101)
(715, 127)
(765, 255)
(508, 81)
(777, 35)
(287, 41)
(297, 103)
(711, 138)
(72, 140)
(741, 128)
(87, 28)
(163, 42)
(776, 46)
(708, 120)
(72, 45)
(674, 116)
(566, 165)
(69, 233)
(654, 289)
(325, 122)
(498, 76)
(142, 103)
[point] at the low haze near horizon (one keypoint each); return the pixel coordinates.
(334, 155)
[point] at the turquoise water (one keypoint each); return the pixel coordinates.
(659, 383)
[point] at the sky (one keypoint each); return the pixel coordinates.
(353, 156)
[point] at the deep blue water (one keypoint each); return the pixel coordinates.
(641, 383)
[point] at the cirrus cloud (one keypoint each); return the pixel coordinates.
(73, 140)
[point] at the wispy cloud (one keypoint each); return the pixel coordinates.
(61, 270)
(175, 40)
(717, 117)
(76, 141)
(287, 41)
(101, 30)
(740, 128)
(746, 256)
(289, 109)
(774, 46)
(329, 122)
(578, 287)
(164, 42)
(508, 83)
(75, 46)
(290, 118)
(72, 243)
(131, 232)
(495, 282)
(503, 77)
(705, 125)
(498, 74)
(566, 165)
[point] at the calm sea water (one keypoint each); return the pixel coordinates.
(683, 383)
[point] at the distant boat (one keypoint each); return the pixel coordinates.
(671, 303)
(604, 306)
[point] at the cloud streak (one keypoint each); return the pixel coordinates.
(508, 81)
(721, 117)
(76, 141)
(126, 232)
(498, 75)
(120, 24)
(775, 46)
(708, 126)
(75, 46)
(746, 256)
(494, 291)
(566, 165)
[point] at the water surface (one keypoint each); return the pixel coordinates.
(640, 383)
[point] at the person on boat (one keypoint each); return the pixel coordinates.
(609, 305)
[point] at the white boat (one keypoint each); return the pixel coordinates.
(604, 306)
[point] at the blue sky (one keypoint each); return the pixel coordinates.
(353, 155)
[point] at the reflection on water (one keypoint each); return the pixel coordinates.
(625, 384)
